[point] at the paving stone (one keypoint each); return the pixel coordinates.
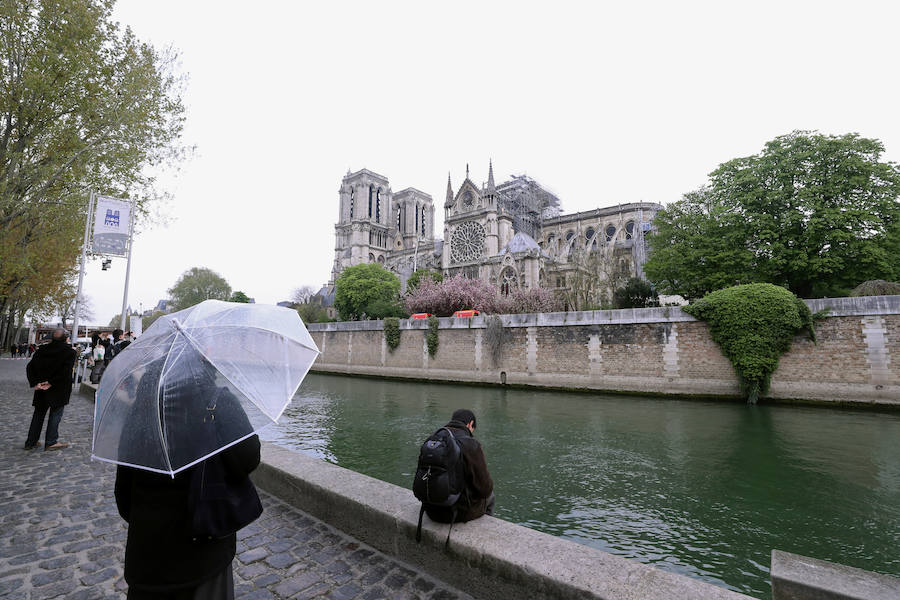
(74, 549)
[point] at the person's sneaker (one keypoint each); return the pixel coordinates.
(57, 446)
(31, 447)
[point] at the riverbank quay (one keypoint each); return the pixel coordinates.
(61, 535)
(655, 351)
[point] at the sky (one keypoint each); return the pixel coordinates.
(601, 102)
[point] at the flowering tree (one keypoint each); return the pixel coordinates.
(451, 295)
(532, 300)
(460, 293)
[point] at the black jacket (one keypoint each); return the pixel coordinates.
(479, 485)
(53, 363)
(160, 553)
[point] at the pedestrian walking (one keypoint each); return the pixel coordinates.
(49, 373)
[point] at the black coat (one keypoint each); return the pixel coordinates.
(160, 553)
(479, 485)
(53, 363)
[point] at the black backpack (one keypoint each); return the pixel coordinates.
(440, 478)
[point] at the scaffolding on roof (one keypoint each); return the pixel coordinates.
(528, 203)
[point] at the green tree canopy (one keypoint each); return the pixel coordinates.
(366, 289)
(413, 282)
(239, 296)
(83, 105)
(196, 285)
(816, 214)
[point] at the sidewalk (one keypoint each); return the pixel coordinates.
(61, 536)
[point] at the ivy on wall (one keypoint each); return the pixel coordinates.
(754, 325)
(392, 332)
(495, 336)
(431, 337)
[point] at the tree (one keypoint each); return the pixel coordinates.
(636, 293)
(239, 296)
(312, 312)
(84, 105)
(196, 285)
(365, 290)
(814, 213)
(413, 282)
(303, 294)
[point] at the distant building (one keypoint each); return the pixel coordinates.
(512, 235)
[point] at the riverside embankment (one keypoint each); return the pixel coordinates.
(855, 361)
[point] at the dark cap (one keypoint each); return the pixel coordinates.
(464, 415)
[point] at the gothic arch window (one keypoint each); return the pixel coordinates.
(508, 281)
(542, 279)
(589, 233)
(398, 216)
(380, 260)
(352, 197)
(371, 189)
(570, 235)
(423, 221)
(629, 230)
(610, 233)
(594, 247)
(417, 218)
(371, 257)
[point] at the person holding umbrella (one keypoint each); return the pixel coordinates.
(178, 413)
(173, 550)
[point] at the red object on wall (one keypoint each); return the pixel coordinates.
(466, 313)
(420, 315)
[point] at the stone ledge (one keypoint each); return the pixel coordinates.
(796, 577)
(488, 558)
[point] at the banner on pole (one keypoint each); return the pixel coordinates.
(111, 226)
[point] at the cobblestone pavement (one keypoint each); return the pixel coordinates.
(61, 536)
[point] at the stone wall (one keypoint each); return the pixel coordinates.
(856, 359)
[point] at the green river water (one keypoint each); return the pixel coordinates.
(705, 489)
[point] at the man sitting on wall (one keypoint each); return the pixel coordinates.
(463, 500)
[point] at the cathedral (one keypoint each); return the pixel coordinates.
(512, 235)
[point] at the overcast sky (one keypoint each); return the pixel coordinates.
(603, 103)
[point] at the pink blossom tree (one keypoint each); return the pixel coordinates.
(461, 293)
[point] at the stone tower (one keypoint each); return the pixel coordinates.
(366, 224)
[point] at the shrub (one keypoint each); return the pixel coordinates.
(876, 287)
(392, 332)
(754, 325)
(636, 293)
(431, 338)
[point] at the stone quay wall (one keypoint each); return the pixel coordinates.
(658, 351)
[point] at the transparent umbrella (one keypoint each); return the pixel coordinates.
(198, 381)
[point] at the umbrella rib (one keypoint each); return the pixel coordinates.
(162, 374)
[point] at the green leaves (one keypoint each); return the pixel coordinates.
(367, 290)
(754, 325)
(196, 285)
(83, 105)
(814, 213)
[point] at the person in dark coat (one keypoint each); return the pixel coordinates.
(49, 373)
(164, 556)
(478, 497)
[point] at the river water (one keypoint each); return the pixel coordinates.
(705, 489)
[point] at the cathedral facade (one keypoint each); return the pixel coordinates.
(512, 235)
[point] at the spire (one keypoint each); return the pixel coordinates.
(449, 202)
(490, 185)
(467, 170)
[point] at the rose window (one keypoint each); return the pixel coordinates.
(467, 243)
